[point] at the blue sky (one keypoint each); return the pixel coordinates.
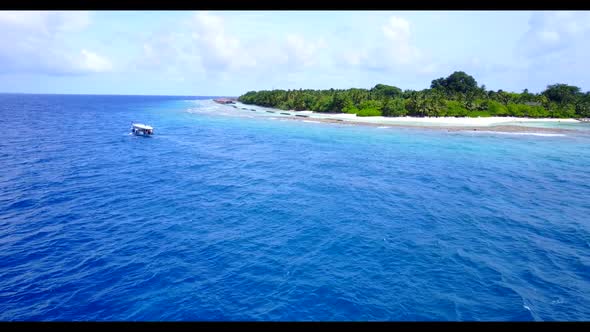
(232, 52)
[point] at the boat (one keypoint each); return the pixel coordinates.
(141, 129)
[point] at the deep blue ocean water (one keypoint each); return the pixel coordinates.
(232, 216)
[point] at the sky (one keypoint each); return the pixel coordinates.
(228, 53)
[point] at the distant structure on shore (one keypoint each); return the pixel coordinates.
(225, 100)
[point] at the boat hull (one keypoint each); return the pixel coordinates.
(140, 133)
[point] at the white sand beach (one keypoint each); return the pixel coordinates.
(495, 124)
(442, 121)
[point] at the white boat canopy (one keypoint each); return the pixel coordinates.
(142, 126)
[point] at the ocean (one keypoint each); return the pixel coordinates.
(231, 215)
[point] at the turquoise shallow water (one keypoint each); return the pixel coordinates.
(225, 215)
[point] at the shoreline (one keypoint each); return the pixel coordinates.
(443, 121)
(492, 128)
(450, 124)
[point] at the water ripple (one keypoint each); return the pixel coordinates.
(226, 216)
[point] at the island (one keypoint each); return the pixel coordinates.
(457, 95)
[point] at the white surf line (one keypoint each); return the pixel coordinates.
(517, 133)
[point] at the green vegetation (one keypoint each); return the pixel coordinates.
(457, 95)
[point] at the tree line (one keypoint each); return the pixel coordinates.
(456, 95)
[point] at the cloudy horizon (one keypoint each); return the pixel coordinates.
(232, 52)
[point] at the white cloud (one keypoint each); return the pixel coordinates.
(34, 42)
(354, 58)
(554, 49)
(551, 32)
(397, 28)
(44, 22)
(549, 37)
(218, 49)
(168, 52)
(400, 49)
(428, 69)
(206, 45)
(93, 62)
(395, 51)
(302, 52)
(222, 50)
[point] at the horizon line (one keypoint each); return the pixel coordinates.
(109, 94)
